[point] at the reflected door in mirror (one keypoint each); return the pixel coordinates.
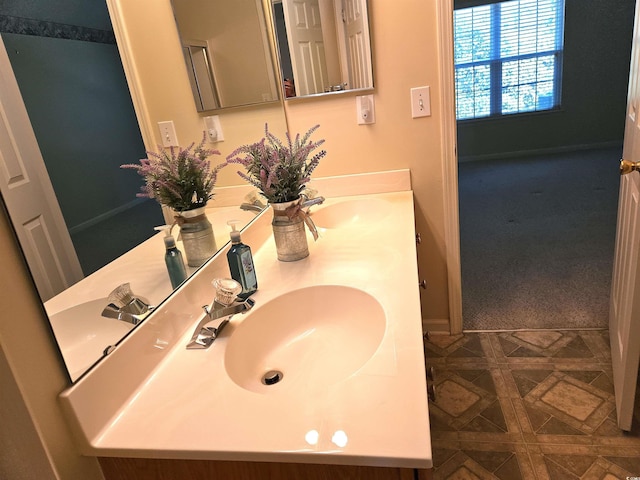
(356, 25)
(324, 46)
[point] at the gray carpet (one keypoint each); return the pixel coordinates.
(537, 238)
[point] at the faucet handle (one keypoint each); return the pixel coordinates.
(226, 290)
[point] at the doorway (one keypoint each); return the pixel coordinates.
(537, 240)
(538, 192)
(78, 102)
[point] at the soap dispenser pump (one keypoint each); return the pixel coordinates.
(241, 263)
(173, 258)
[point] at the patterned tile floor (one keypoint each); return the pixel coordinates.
(527, 405)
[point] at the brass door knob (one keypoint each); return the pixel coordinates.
(627, 166)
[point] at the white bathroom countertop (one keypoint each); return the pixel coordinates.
(170, 402)
(82, 332)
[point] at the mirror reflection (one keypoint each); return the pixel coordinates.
(86, 330)
(106, 236)
(226, 51)
(324, 46)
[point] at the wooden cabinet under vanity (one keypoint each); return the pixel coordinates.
(164, 469)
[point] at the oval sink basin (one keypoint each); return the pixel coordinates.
(351, 212)
(312, 337)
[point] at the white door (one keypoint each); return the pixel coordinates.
(624, 314)
(306, 45)
(358, 45)
(29, 196)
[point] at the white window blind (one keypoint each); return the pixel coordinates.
(508, 57)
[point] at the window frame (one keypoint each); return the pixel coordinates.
(496, 63)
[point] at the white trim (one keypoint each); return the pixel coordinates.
(437, 326)
(266, 45)
(338, 186)
(449, 164)
(363, 183)
(128, 64)
(105, 216)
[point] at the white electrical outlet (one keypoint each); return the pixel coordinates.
(168, 134)
(213, 129)
(365, 110)
(420, 102)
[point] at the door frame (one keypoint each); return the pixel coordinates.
(448, 139)
(127, 58)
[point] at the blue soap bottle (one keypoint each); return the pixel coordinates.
(173, 258)
(241, 263)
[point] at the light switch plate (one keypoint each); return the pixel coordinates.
(420, 102)
(168, 134)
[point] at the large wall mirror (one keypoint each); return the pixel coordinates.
(324, 46)
(227, 54)
(75, 313)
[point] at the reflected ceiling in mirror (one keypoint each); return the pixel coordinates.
(227, 54)
(324, 46)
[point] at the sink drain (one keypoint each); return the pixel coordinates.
(272, 377)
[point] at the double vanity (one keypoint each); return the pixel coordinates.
(323, 377)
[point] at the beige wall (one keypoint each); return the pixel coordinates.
(401, 61)
(34, 439)
(152, 55)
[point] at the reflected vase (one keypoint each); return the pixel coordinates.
(197, 236)
(289, 231)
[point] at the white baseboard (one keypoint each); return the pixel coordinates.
(104, 216)
(436, 326)
(539, 151)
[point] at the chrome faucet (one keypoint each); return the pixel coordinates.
(251, 207)
(204, 335)
(311, 201)
(125, 306)
(252, 203)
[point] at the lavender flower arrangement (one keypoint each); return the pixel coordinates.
(280, 171)
(181, 179)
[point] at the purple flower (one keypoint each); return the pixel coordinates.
(279, 170)
(181, 179)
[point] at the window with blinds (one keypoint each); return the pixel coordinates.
(508, 57)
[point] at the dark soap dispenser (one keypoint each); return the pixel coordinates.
(173, 258)
(241, 263)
